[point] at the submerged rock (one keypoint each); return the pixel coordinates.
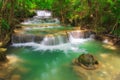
(87, 61)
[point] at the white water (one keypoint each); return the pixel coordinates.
(41, 17)
(54, 40)
(70, 41)
(43, 13)
(78, 36)
(35, 21)
(70, 46)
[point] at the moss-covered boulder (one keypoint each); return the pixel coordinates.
(87, 61)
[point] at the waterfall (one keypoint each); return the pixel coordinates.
(39, 32)
(65, 41)
(25, 38)
(43, 14)
(42, 17)
(54, 40)
(78, 36)
(75, 36)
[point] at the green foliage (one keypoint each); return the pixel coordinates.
(100, 15)
(24, 13)
(100, 29)
(117, 32)
(4, 24)
(0, 4)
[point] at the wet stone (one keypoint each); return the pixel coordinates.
(87, 61)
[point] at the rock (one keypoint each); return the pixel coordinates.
(87, 61)
(99, 37)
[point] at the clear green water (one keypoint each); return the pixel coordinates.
(44, 31)
(57, 64)
(46, 65)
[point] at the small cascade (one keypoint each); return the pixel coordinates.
(80, 34)
(25, 38)
(42, 17)
(77, 36)
(34, 29)
(43, 14)
(67, 40)
(54, 40)
(39, 21)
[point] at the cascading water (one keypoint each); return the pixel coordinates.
(79, 36)
(46, 53)
(65, 41)
(62, 40)
(54, 40)
(25, 38)
(42, 17)
(47, 35)
(43, 14)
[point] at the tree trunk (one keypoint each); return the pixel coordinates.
(62, 17)
(3, 57)
(4, 5)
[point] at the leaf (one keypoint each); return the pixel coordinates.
(5, 24)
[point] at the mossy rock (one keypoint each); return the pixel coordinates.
(87, 61)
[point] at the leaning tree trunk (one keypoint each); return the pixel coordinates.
(62, 17)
